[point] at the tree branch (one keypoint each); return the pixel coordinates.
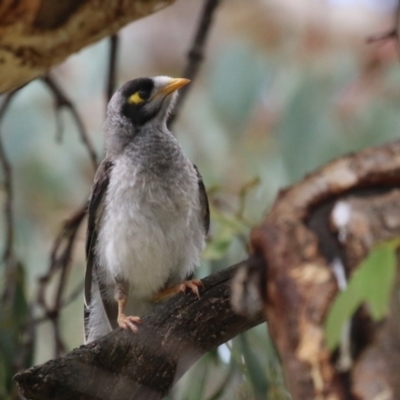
(9, 258)
(146, 365)
(196, 54)
(35, 36)
(7, 186)
(61, 100)
(60, 259)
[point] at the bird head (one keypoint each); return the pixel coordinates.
(145, 100)
(142, 104)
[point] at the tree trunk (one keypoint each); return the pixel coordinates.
(308, 234)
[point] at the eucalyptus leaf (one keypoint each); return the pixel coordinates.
(372, 283)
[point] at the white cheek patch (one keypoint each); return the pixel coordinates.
(160, 82)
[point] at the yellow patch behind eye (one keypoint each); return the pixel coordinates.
(135, 98)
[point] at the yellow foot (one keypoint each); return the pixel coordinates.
(193, 285)
(128, 322)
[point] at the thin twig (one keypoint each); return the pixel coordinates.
(65, 303)
(61, 100)
(244, 190)
(196, 53)
(68, 235)
(60, 347)
(112, 67)
(7, 186)
(61, 253)
(9, 258)
(60, 259)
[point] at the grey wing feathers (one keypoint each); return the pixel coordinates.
(95, 210)
(205, 209)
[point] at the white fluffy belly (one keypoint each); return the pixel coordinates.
(146, 237)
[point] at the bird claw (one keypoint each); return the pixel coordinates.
(193, 285)
(128, 322)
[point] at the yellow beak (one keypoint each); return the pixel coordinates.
(173, 85)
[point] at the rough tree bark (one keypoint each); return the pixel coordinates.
(300, 240)
(38, 34)
(144, 366)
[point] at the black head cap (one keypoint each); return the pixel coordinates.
(136, 94)
(146, 99)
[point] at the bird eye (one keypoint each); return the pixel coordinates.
(136, 98)
(144, 94)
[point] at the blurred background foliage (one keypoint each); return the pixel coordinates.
(285, 87)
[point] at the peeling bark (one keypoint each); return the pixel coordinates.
(143, 366)
(299, 243)
(38, 34)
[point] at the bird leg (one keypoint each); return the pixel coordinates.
(124, 321)
(193, 285)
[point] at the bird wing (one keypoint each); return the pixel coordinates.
(205, 209)
(95, 213)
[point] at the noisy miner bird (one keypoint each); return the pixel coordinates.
(148, 211)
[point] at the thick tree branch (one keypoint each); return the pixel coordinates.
(37, 35)
(144, 366)
(61, 100)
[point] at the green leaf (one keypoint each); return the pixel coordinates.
(371, 283)
(255, 370)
